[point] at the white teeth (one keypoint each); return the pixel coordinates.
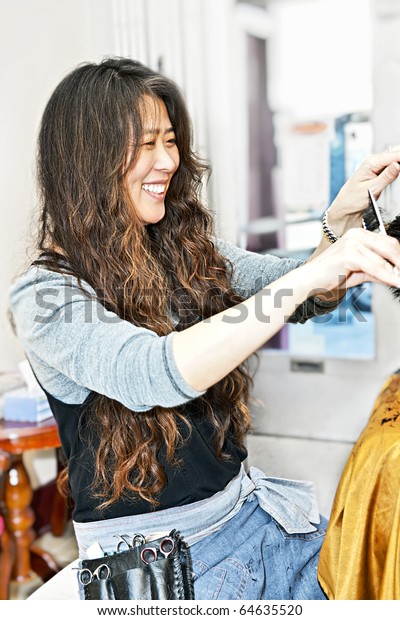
(155, 189)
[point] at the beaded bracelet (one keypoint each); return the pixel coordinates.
(328, 232)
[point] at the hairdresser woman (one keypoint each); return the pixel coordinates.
(138, 322)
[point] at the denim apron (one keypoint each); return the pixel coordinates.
(257, 539)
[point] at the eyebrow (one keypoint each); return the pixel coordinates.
(157, 131)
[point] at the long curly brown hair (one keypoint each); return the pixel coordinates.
(91, 128)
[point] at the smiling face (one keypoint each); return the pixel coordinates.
(157, 161)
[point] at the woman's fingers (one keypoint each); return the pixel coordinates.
(376, 268)
(377, 256)
(387, 176)
(358, 256)
(388, 247)
(376, 172)
(383, 168)
(379, 161)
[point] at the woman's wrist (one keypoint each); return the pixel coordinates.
(336, 224)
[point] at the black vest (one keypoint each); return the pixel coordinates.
(199, 475)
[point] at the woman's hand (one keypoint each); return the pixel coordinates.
(359, 256)
(375, 173)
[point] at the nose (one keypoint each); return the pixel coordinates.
(165, 160)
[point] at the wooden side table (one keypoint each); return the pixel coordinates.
(16, 497)
(6, 546)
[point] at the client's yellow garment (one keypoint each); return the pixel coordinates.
(360, 557)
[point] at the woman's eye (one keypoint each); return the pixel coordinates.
(152, 143)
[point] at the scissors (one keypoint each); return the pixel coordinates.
(86, 576)
(378, 216)
(166, 547)
(129, 543)
(381, 225)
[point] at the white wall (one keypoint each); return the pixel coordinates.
(321, 56)
(40, 41)
(387, 85)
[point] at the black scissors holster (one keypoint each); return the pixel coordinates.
(125, 576)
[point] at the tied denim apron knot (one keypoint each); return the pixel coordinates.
(292, 503)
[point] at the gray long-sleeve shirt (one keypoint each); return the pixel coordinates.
(76, 346)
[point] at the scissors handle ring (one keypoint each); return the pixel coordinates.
(167, 545)
(138, 539)
(123, 544)
(85, 576)
(148, 555)
(99, 570)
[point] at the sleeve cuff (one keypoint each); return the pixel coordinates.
(177, 381)
(325, 304)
